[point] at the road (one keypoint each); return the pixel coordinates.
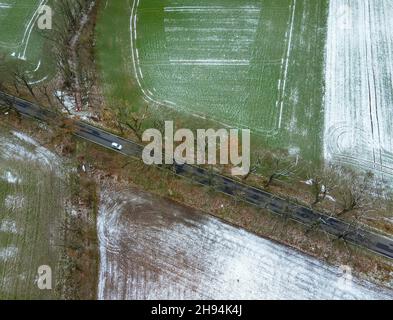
(372, 241)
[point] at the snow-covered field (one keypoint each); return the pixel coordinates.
(359, 84)
(33, 195)
(151, 248)
(24, 148)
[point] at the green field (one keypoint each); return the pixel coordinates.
(33, 193)
(247, 64)
(20, 38)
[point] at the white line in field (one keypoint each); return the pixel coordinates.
(203, 62)
(287, 62)
(22, 46)
(210, 9)
(147, 95)
(372, 82)
(38, 66)
(38, 81)
(135, 54)
(208, 29)
(29, 30)
(134, 37)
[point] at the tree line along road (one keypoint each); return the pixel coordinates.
(353, 234)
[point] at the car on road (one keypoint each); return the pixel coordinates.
(117, 146)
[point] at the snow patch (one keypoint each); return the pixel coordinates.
(8, 226)
(25, 138)
(68, 100)
(31, 151)
(13, 202)
(10, 177)
(7, 253)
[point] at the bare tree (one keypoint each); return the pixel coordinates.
(133, 121)
(355, 192)
(13, 74)
(65, 36)
(256, 163)
(277, 165)
(21, 78)
(322, 182)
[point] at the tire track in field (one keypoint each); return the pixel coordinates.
(284, 77)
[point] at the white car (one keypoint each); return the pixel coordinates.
(117, 146)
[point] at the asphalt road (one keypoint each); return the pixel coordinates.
(374, 242)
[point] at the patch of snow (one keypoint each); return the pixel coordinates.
(5, 6)
(153, 249)
(25, 138)
(10, 177)
(358, 76)
(8, 226)
(13, 202)
(70, 104)
(7, 253)
(294, 151)
(331, 198)
(68, 100)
